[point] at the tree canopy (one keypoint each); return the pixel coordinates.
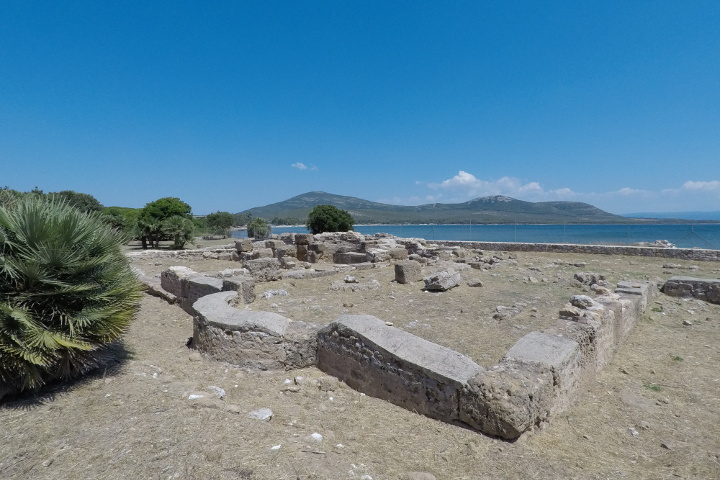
(258, 228)
(328, 218)
(220, 222)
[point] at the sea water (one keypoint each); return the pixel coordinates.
(683, 236)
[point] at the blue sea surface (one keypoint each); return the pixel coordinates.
(683, 236)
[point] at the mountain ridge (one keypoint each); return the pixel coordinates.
(490, 209)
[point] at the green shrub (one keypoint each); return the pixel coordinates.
(66, 291)
(258, 228)
(328, 218)
(179, 229)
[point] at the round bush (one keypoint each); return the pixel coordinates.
(66, 291)
(328, 218)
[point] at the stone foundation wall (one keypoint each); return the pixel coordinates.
(538, 377)
(695, 254)
(707, 289)
(252, 339)
(394, 365)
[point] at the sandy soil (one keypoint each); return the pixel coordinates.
(653, 412)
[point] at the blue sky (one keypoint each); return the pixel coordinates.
(231, 105)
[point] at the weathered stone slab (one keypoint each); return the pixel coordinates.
(508, 399)
(174, 280)
(442, 281)
(264, 269)
(561, 356)
(350, 257)
(707, 289)
(252, 339)
(308, 273)
(198, 287)
(303, 238)
(408, 271)
(302, 253)
(394, 365)
(243, 245)
(243, 284)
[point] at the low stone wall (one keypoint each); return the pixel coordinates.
(538, 377)
(187, 286)
(252, 339)
(707, 289)
(223, 253)
(394, 365)
(695, 254)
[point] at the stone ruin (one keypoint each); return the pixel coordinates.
(539, 376)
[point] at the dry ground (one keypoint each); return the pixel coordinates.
(135, 420)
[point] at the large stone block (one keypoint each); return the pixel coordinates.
(243, 245)
(286, 251)
(561, 356)
(198, 287)
(251, 339)
(350, 257)
(264, 269)
(174, 280)
(394, 365)
(442, 281)
(408, 271)
(243, 284)
(508, 399)
(303, 238)
(707, 289)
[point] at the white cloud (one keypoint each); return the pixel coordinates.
(691, 195)
(467, 185)
(299, 166)
(711, 186)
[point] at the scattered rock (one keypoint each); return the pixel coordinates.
(219, 392)
(327, 383)
(442, 281)
(275, 293)
(570, 312)
(687, 323)
(264, 414)
(317, 437)
(667, 445)
(195, 357)
(584, 302)
(475, 283)
(417, 476)
(350, 279)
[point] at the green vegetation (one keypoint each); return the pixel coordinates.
(328, 218)
(677, 358)
(66, 290)
(286, 221)
(242, 219)
(81, 201)
(258, 228)
(652, 386)
(153, 224)
(220, 223)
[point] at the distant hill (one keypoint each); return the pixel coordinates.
(676, 215)
(495, 209)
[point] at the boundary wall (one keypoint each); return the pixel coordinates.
(695, 254)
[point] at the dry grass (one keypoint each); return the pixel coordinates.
(137, 421)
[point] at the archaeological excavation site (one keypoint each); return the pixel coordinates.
(500, 381)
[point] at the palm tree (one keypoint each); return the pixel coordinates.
(180, 229)
(66, 291)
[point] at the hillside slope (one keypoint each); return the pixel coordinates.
(495, 209)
